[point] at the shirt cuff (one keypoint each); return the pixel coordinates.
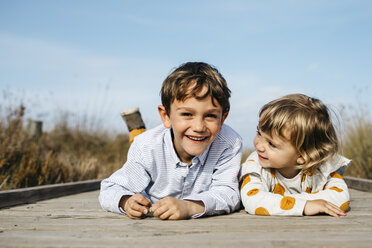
(300, 205)
(209, 205)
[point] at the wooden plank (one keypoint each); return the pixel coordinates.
(78, 221)
(359, 183)
(32, 194)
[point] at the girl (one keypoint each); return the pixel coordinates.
(295, 169)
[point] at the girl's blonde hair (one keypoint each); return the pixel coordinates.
(310, 126)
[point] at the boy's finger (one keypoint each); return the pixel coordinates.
(134, 206)
(155, 206)
(134, 214)
(166, 214)
(159, 210)
(142, 200)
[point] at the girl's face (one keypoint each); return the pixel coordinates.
(278, 153)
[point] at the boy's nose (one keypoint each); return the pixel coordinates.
(198, 125)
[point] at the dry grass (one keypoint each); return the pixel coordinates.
(358, 144)
(69, 153)
(64, 154)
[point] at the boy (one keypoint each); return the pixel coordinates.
(188, 166)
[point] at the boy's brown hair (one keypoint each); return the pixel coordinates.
(189, 79)
(310, 126)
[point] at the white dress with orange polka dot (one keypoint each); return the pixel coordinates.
(265, 191)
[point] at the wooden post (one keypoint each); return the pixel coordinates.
(35, 129)
(132, 118)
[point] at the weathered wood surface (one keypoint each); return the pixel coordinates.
(78, 221)
(14, 197)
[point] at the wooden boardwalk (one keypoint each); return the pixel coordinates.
(78, 221)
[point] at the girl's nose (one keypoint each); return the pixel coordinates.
(258, 144)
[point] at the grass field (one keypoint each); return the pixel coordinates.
(71, 152)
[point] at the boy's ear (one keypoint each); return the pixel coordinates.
(164, 116)
(224, 116)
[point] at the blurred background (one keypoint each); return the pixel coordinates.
(75, 65)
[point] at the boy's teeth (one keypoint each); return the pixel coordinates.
(195, 138)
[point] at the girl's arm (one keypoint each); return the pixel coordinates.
(258, 200)
(334, 191)
(257, 192)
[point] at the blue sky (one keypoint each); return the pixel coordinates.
(94, 59)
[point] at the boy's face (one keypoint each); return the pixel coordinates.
(195, 125)
(276, 152)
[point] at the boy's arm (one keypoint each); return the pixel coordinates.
(223, 193)
(132, 178)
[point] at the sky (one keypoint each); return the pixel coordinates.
(88, 60)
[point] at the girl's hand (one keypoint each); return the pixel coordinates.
(313, 207)
(135, 206)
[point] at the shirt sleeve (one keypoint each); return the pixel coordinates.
(132, 178)
(335, 191)
(256, 195)
(223, 193)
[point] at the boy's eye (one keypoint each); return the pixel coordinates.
(185, 114)
(212, 116)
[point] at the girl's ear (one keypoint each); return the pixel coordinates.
(164, 116)
(300, 160)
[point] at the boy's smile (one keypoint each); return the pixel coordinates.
(195, 124)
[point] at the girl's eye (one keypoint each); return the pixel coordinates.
(258, 133)
(272, 145)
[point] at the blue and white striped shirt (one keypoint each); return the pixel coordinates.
(154, 170)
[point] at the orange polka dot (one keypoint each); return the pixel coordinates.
(345, 206)
(261, 211)
(251, 160)
(336, 189)
(279, 189)
(303, 177)
(314, 192)
(336, 175)
(252, 192)
(246, 180)
(308, 190)
(272, 171)
(287, 203)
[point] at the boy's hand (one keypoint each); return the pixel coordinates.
(313, 207)
(135, 206)
(175, 209)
